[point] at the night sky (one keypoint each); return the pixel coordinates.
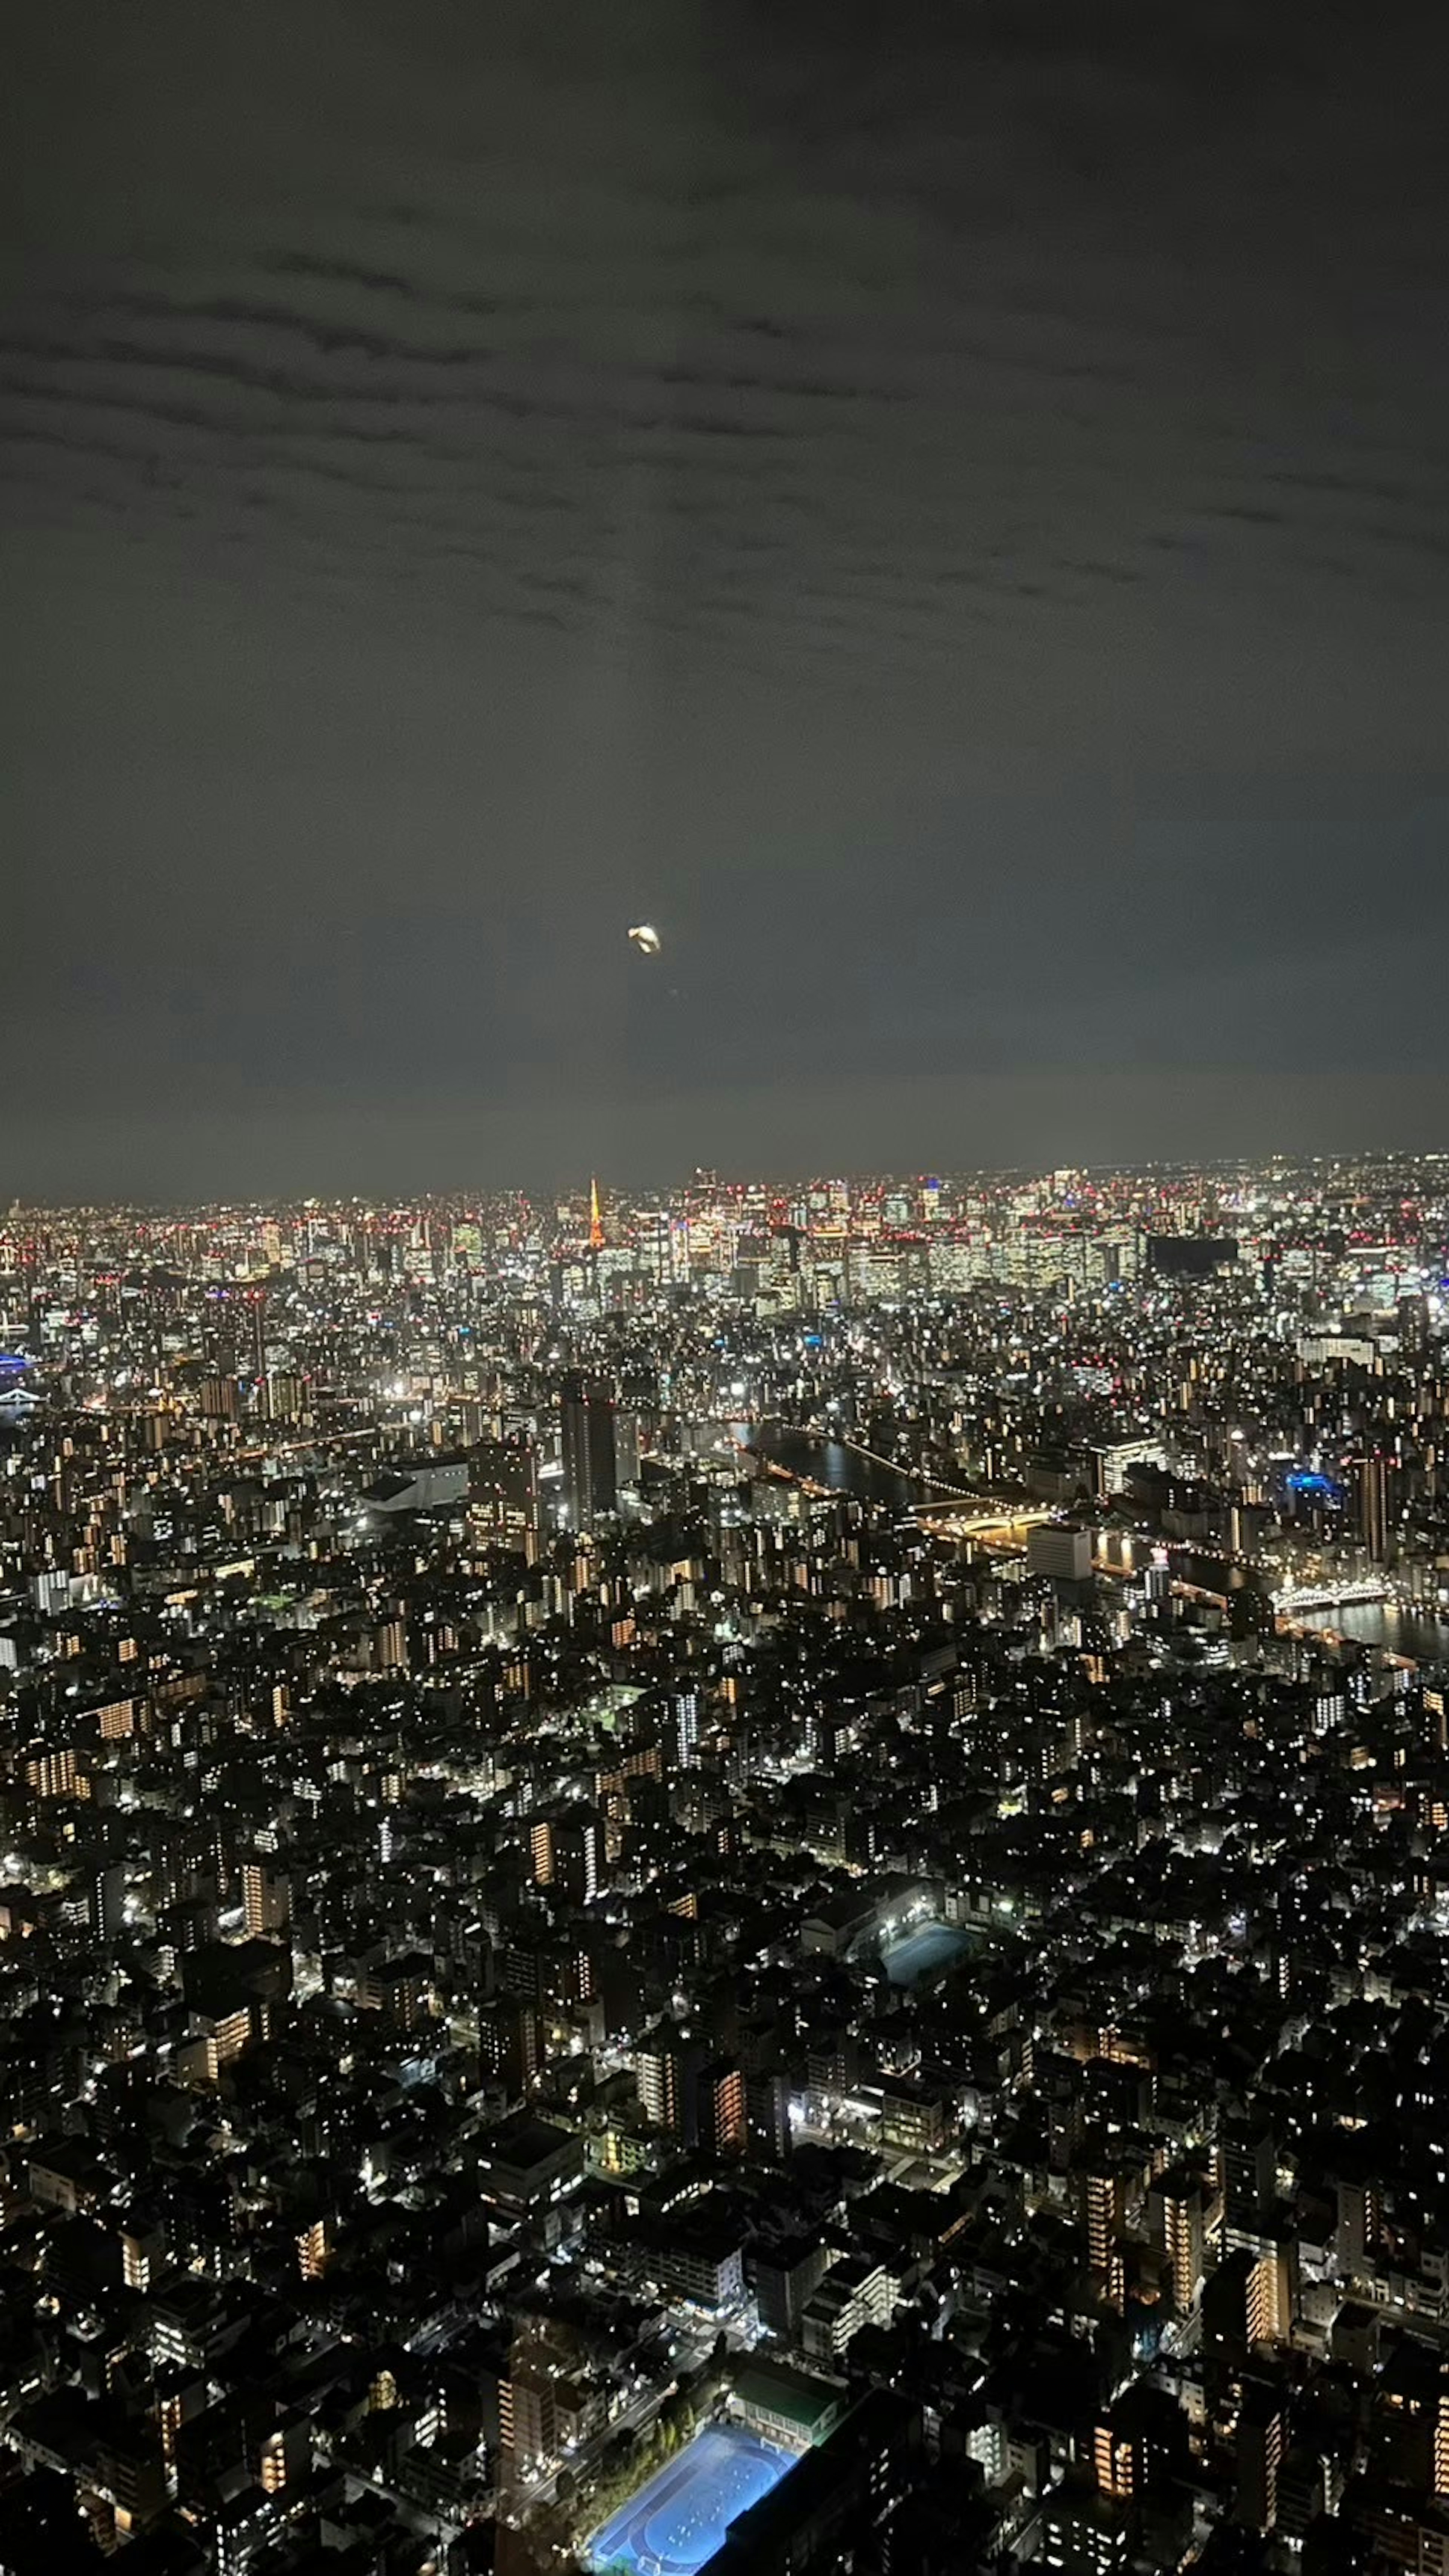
(943, 509)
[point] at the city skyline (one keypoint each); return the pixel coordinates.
(596, 1198)
(691, 1883)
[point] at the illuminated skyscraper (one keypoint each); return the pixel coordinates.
(566, 1850)
(267, 1897)
(719, 2108)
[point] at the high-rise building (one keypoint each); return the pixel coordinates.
(1178, 2203)
(1104, 2203)
(1261, 2439)
(1373, 1483)
(107, 1900)
(511, 2041)
(1114, 2461)
(683, 1716)
(55, 1772)
(257, 1302)
(1413, 1314)
(1270, 2297)
(1440, 2466)
(503, 1489)
(1249, 2162)
(788, 2271)
(767, 2113)
(267, 1897)
(590, 1458)
(283, 1396)
(661, 2065)
(1360, 2221)
(719, 2108)
(313, 2249)
(699, 2099)
(566, 1850)
(627, 1437)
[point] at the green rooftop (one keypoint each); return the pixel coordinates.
(775, 2389)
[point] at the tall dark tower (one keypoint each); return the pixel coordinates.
(1373, 1484)
(590, 1458)
(258, 1299)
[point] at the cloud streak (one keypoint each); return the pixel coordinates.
(796, 429)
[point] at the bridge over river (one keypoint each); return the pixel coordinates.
(834, 1466)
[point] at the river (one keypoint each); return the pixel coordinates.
(844, 1470)
(1399, 1632)
(849, 1472)
(1369, 1623)
(833, 1463)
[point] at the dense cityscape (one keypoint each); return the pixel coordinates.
(742, 1880)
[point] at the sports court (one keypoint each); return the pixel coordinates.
(679, 2519)
(924, 1952)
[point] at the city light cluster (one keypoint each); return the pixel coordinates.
(751, 1878)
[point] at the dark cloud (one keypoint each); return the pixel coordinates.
(944, 510)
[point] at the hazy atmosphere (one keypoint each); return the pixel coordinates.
(947, 524)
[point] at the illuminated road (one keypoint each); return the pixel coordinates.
(316, 1440)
